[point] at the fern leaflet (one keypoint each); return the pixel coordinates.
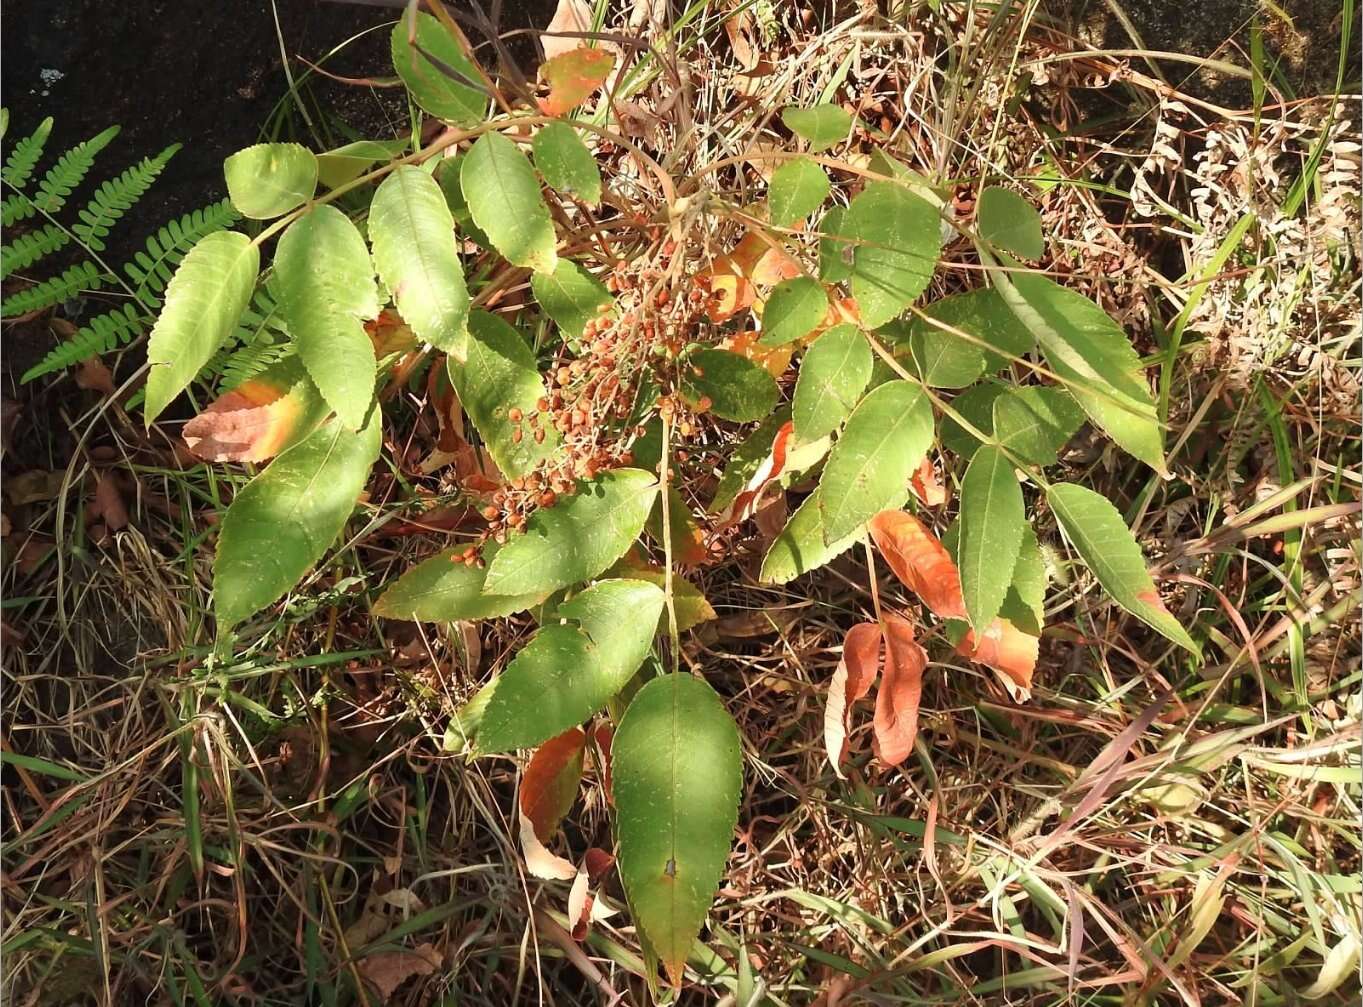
(24, 157)
(68, 172)
(116, 196)
(81, 276)
(151, 270)
(104, 333)
(31, 247)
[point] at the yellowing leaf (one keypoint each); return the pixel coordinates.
(258, 419)
(572, 77)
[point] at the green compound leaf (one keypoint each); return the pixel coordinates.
(678, 771)
(453, 96)
(993, 518)
(286, 518)
(568, 672)
(822, 125)
(833, 375)
(348, 162)
(1036, 422)
(498, 374)
(270, 179)
(578, 537)
(1024, 604)
(412, 231)
(898, 241)
(504, 198)
(566, 163)
(947, 360)
(204, 301)
(1106, 545)
(795, 308)
(326, 290)
(738, 389)
(975, 406)
(1008, 221)
(885, 438)
(798, 187)
(801, 546)
(571, 296)
(443, 589)
(835, 247)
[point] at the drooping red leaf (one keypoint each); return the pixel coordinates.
(920, 561)
(572, 77)
(744, 504)
(1009, 651)
(901, 689)
(549, 783)
(851, 681)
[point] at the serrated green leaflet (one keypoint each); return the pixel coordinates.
(504, 198)
(797, 189)
(897, 243)
(947, 360)
(1036, 422)
(412, 232)
(566, 163)
(835, 248)
(497, 375)
(738, 388)
(568, 672)
(992, 521)
(571, 296)
(204, 301)
(794, 310)
(444, 589)
(326, 291)
(287, 517)
(801, 546)
(822, 126)
(1108, 548)
(270, 179)
(1024, 604)
(447, 177)
(1008, 221)
(886, 436)
(454, 97)
(678, 771)
(578, 537)
(1091, 354)
(833, 374)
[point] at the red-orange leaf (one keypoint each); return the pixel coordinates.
(925, 485)
(745, 502)
(257, 420)
(852, 680)
(1009, 651)
(572, 77)
(726, 294)
(549, 783)
(901, 689)
(920, 561)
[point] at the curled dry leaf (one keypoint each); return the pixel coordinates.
(108, 503)
(1009, 651)
(548, 789)
(855, 673)
(920, 561)
(541, 862)
(602, 735)
(387, 970)
(926, 487)
(744, 504)
(569, 16)
(583, 907)
(901, 689)
(572, 78)
(95, 376)
(925, 566)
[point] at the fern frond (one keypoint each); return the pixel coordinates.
(116, 196)
(69, 170)
(31, 247)
(16, 207)
(82, 276)
(152, 269)
(104, 333)
(245, 362)
(24, 157)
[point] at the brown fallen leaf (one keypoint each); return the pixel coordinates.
(569, 16)
(387, 970)
(108, 502)
(920, 561)
(33, 487)
(95, 376)
(901, 689)
(851, 681)
(573, 77)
